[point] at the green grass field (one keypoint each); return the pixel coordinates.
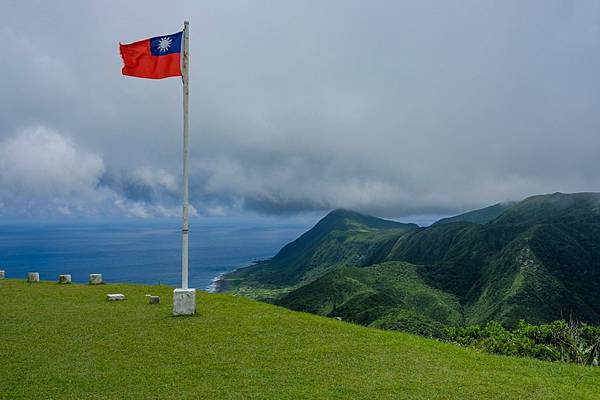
(68, 342)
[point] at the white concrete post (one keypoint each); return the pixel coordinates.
(95, 279)
(33, 277)
(2, 274)
(65, 278)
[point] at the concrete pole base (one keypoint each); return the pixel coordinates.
(184, 301)
(66, 278)
(2, 274)
(33, 277)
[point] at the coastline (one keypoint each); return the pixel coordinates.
(217, 283)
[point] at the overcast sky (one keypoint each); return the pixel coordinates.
(394, 108)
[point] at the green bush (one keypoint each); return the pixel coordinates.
(557, 341)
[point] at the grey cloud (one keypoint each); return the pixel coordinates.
(389, 107)
(45, 173)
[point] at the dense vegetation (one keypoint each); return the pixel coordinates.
(68, 342)
(558, 341)
(537, 260)
(391, 295)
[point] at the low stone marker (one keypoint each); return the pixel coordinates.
(184, 301)
(66, 278)
(33, 277)
(153, 299)
(115, 297)
(2, 274)
(96, 279)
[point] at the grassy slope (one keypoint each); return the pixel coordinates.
(389, 295)
(68, 342)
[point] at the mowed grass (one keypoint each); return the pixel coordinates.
(68, 342)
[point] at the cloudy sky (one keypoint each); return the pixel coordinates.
(395, 108)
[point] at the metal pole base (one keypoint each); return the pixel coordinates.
(184, 301)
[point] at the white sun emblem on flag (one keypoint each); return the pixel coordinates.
(164, 44)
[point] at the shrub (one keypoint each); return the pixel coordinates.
(557, 341)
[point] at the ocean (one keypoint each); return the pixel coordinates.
(148, 253)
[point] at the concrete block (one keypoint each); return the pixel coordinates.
(2, 274)
(153, 299)
(115, 297)
(95, 279)
(184, 301)
(33, 277)
(66, 278)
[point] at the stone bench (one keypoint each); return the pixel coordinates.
(115, 297)
(33, 277)
(153, 299)
(96, 279)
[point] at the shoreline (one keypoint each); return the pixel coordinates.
(216, 283)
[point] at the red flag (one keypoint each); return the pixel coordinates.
(155, 58)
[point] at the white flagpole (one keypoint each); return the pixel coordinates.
(184, 298)
(186, 125)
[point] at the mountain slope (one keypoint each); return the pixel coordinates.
(390, 295)
(516, 285)
(68, 342)
(481, 216)
(342, 238)
(453, 254)
(554, 208)
(539, 260)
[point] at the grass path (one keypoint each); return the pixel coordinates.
(68, 342)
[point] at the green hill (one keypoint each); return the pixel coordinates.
(391, 295)
(554, 208)
(481, 216)
(68, 342)
(340, 238)
(538, 260)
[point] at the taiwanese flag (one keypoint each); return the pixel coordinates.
(155, 58)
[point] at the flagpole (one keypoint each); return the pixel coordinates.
(186, 125)
(184, 298)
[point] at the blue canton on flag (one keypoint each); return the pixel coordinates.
(167, 44)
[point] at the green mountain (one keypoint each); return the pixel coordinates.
(341, 238)
(482, 216)
(538, 260)
(554, 208)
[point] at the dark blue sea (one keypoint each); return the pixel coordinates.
(148, 252)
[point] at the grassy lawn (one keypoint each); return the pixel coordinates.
(68, 342)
